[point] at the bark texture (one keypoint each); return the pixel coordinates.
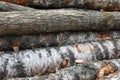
(114, 76)
(51, 39)
(4, 6)
(29, 22)
(113, 5)
(78, 72)
(48, 60)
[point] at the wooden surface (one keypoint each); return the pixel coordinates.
(54, 39)
(113, 5)
(4, 6)
(114, 76)
(48, 60)
(87, 71)
(43, 21)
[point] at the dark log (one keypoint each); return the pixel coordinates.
(88, 71)
(4, 6)
(53, 39)
(48, 60)
(34, 22)
(113, 5)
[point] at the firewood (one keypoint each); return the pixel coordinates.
(80, 72)
(51, 59)
(112, 5)
(57, 20)
(4, 6)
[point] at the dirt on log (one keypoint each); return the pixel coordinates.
(48, 60)
(53, 39)
(4, 6)
(113, 5)
(88, 71)
(42, 21)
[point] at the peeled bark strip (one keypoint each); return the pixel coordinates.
(114, 76)
(4, 6)
(51, 39)
(29, 22)
(47, 60)
(113, 5)
(78, 72)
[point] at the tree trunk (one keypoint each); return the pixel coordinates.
(87, 71)
(4, 6)
(29, 22)
(113, 5)
(47, 60)
(53, 39)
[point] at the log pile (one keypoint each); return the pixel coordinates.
(59, 39)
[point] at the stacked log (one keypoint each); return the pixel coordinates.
(79, 43)
(88, 4)
(88, 71)
(51, 39)
(44, 21)
(47, 60)
(12, 7)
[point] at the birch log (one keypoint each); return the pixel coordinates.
(29, 22)
(4, 6)
(113, 5)
(78, 72)
(47, 60)
(53, 39)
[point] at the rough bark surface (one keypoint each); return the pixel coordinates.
(114, 76)
(29, 22)
(113, 5)
(53, 39)
(48, 60)
(78, 72)
(4, 6)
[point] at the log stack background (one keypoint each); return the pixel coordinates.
(45, 39)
